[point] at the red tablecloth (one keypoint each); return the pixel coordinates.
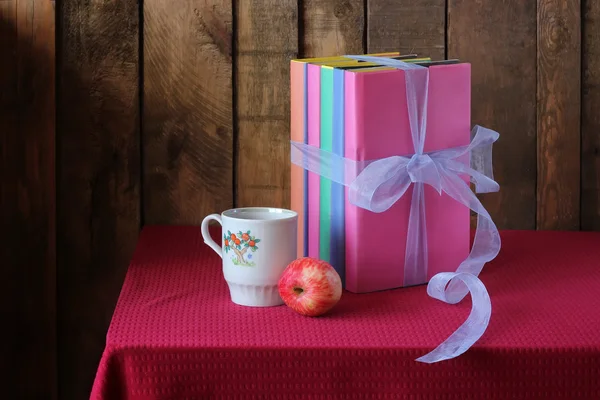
(176, 334)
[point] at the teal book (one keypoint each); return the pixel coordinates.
(326, 144)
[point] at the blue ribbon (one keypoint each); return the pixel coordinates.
(375, 185)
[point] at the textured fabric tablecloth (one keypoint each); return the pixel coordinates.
(176, 335)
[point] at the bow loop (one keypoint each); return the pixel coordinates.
(380, 184)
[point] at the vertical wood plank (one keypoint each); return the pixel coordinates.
(27, 200)
(267, 39)
(332, 27)
(499, 40)
(408, 26)
(590, 129)
(98, 177)
(559, 113)
(187, 114)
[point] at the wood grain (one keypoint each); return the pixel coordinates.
(98, 177)
(558, 114)
(332, 27)
(267, 39)
(590, 128)
(27, 200)
(187, 114)
(499, 40)
(408, 26)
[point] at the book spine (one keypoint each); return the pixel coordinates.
(297, 134)
(352, 129)
(327, 145)
(338, 236)
(314, 139)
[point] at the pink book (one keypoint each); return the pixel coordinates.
(377, 125)
(297, 134)
(314, 129)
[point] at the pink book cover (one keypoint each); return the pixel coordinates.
(377, 125)
(314, 121)
(297, 123)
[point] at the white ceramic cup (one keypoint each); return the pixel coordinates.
(257, 244)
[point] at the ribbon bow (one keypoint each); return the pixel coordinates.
(376, 185)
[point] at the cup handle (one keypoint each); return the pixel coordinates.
(206, 235)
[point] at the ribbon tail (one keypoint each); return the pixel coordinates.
(475, 325)
(486, 244)
(451, 288)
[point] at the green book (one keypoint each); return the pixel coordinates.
(326, 144)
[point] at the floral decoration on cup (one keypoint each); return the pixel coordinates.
(239, 244)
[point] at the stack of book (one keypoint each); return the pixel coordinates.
(358, 110)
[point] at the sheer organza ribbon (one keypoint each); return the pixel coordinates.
(376, 185)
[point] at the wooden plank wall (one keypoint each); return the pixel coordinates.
(266, 38)
(590, 116)
(187, 125)
(168, 112)
(504, 77)
(27, 200)
(558, 114)
(98, 176)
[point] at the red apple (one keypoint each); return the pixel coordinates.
(310, 287)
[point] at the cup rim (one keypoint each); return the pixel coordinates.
(230, 214)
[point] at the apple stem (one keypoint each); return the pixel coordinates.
(298, 290)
